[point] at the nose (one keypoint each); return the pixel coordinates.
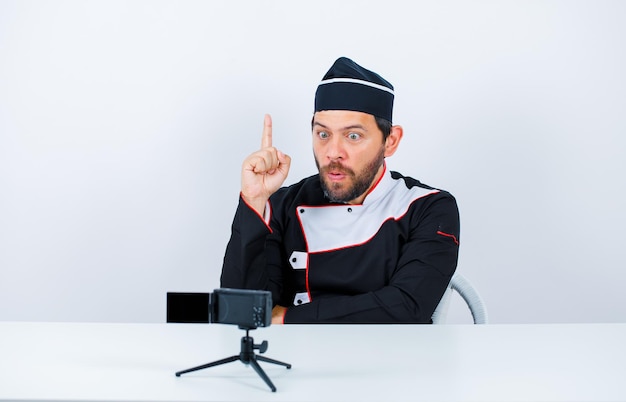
(335, 149)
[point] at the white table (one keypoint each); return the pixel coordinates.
(137, 362)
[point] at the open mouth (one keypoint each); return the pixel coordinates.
(334, 172)
(335, 175)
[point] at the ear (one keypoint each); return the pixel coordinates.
(393, 140)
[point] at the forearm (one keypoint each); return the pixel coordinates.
(252, 258)
(244, 260)
(389, 304)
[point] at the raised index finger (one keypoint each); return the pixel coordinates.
(266, 140)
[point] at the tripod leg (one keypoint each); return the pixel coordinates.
(268, 360)
(260, 372)
(215, 363)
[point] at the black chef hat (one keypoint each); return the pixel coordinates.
(348, 86)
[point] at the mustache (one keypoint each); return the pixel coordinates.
(336, 167)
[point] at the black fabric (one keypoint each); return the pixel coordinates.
(354, 96)
(398, 276)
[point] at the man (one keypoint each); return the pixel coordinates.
(355, 243)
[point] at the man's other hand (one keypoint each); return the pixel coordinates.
(278, 314)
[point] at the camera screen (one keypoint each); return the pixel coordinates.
(248, 308)
(188, 307)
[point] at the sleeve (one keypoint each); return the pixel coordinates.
(425, 266)
(246, 258)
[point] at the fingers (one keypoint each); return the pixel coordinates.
(266, 140)
(263, 161)
(267, 161)
(284, 161)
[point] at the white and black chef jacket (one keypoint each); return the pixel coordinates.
(388, 260)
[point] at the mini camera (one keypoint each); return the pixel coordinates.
(243, 307)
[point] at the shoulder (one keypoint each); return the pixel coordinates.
(410, 184)
(306, 191)
(410, 181)
(436, 212)
(423, 198)
(308, 184)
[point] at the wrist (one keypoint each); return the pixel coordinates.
(257, 204)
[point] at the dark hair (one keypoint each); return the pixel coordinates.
(384, 126)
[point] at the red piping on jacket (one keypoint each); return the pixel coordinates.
(453, 237)
(269, 214)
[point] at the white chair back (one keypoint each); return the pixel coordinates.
(469, 294)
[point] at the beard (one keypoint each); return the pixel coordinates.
(356, 184)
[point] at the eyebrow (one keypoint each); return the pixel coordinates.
(351, 127)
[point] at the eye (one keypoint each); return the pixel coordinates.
(354, 136)
(323, 135)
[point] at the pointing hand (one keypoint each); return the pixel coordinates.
(264, 171)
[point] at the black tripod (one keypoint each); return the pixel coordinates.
(246, 356)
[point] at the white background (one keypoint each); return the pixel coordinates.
(123, 125)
